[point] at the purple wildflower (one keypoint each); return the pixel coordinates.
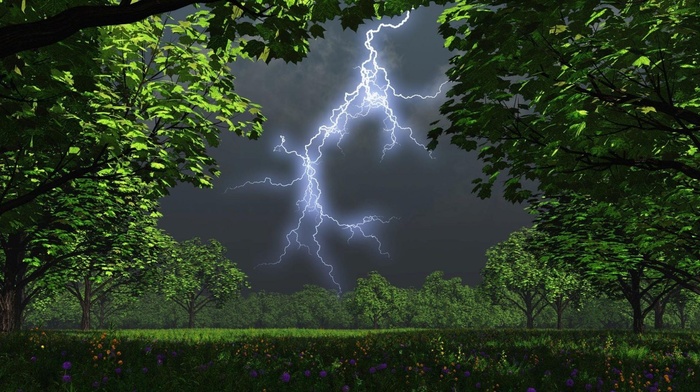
(66, 378)
(285, 377)
(66, 365)
(322, 373)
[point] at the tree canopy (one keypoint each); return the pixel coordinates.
(576, 95)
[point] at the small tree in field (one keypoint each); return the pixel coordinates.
(377, 300)
(195, 275)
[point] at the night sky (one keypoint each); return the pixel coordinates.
(442, 225)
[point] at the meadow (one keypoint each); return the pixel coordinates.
(349, 360)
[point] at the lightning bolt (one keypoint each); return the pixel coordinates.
(371, 93)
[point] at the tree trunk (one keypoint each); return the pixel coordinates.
(681, 314)
(659, 310)
(85, 306)
(11, 293)
(637, 323)
(634, 297)
(559, 306)
(530, 321)
(529, 311)
(101, 313)
(559, 312)
(7, 311)
(191, 314)
(637, 316)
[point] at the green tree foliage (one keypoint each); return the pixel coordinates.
(126, 267)
(283, 30)
(196, 275)
(602, 240)
(564, 288)
(274, 310)
(82, 219)
(682, 304)
(150, 105)
(514, 276)
(443, 303)
(152, 310)
(518, 273)
(376, 300)
(316, 307)
(92, 127)
(570, 93)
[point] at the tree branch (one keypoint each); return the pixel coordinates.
(33, 35)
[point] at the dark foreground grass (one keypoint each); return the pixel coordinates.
(322, 360)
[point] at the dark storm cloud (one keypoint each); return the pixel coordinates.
(442, 226)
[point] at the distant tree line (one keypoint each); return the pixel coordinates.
(375, 303)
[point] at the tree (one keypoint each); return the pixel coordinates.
(125, 268)
(443, 303)
(601, 240)
(154, 121)
(112, 306)
(103, 109)
(196, 275)
(515, 276)
(376, 300)
(565, 287)
(578, 97)
(316, 307)
(85, 219)
(684, 303)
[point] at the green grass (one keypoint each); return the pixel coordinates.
(349, 360)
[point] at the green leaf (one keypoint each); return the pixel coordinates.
(317, 31)
(558, 29)
(641, 61)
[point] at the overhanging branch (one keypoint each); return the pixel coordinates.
(20, 37)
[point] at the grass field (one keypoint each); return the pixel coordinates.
(358, 360)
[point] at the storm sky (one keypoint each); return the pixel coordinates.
(442, 225)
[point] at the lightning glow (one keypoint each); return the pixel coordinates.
(371, 93)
